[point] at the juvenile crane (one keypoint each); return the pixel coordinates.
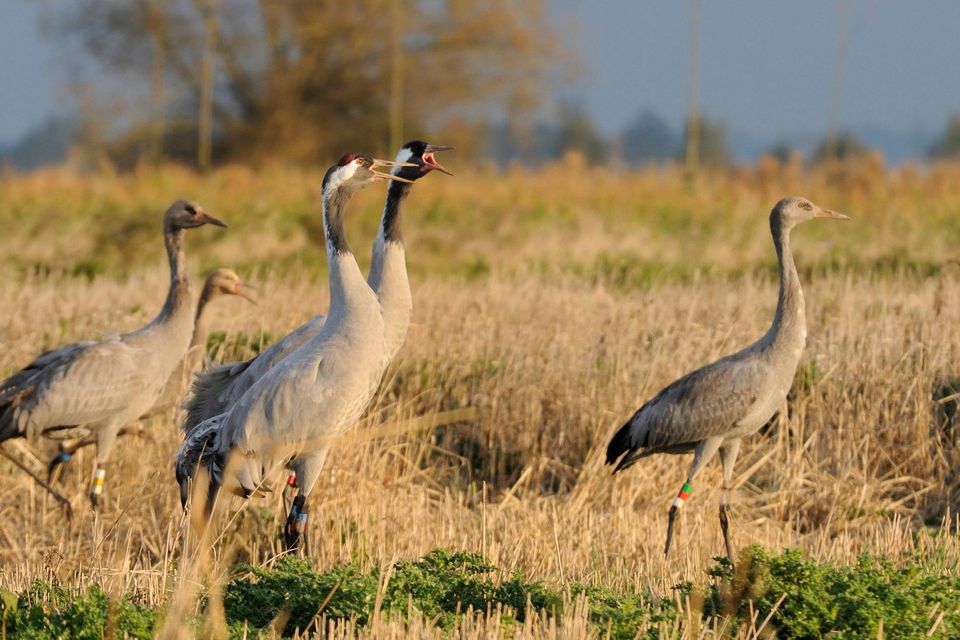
(315, 392)
(219, 283)
(217, 389)
(101, 386)
(713, 408)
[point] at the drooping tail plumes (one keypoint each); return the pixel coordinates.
(200, 448)
(206, 388)
(620, 445)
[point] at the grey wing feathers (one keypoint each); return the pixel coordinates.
(707, 402)
(22, 391)
(214, 391)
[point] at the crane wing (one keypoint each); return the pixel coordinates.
(707, 402)
(216, 390)
(77, 384)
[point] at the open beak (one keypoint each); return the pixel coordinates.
(380, 175)
(206, 218)
(827, 213)
(431, 161)
(243, 294)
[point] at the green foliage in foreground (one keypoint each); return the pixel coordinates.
(45, 612)
(440, 586)
(808, 599)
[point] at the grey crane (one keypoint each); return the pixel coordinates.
(713, 408)
(217, 389)
(99, 387)
(219, 283)
(314, 393)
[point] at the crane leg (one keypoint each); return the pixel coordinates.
(307, 470)
(97, 485)
(67, 449)
(701, 456)
(289, 490)
(105, 437)
(728, 455)
(53, 492)
(70, 446)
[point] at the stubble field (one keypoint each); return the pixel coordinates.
(549, 304)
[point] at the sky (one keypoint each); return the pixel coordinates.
(767, 68)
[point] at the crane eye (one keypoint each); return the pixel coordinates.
(359, 161)
(805, 205)
(190, 209)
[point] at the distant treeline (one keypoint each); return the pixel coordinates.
(206, 81)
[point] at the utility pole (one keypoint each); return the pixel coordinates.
(157, 26)
(396, 75)
(693, 92)
(205, 127)
(833, 142)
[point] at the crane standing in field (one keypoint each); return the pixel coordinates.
(315, 392)
(217, 389)
(220, 282)
(102, 386)
(713, 408)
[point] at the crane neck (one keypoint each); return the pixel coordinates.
(179, 294)
(347, 285)
(200, 328)
(390, 222)
(388, 270)
(388, 254)
(334, 201)
(789, 321)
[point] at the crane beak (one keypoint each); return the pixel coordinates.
(206, 218)
(380, 175)
(431, 161)
(243, 294)
(827, 213)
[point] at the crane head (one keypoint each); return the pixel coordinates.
(185, 214)
(796, 209)
(227, 282)
(423, 156)
(355, 171)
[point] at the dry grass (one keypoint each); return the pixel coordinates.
(551, 360)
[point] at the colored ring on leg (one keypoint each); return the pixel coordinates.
(98, 480)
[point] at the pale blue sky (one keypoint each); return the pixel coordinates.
(767, 67)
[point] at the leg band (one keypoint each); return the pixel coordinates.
(292, 480)
(98, 479)
(683, 495)
(301, 522)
